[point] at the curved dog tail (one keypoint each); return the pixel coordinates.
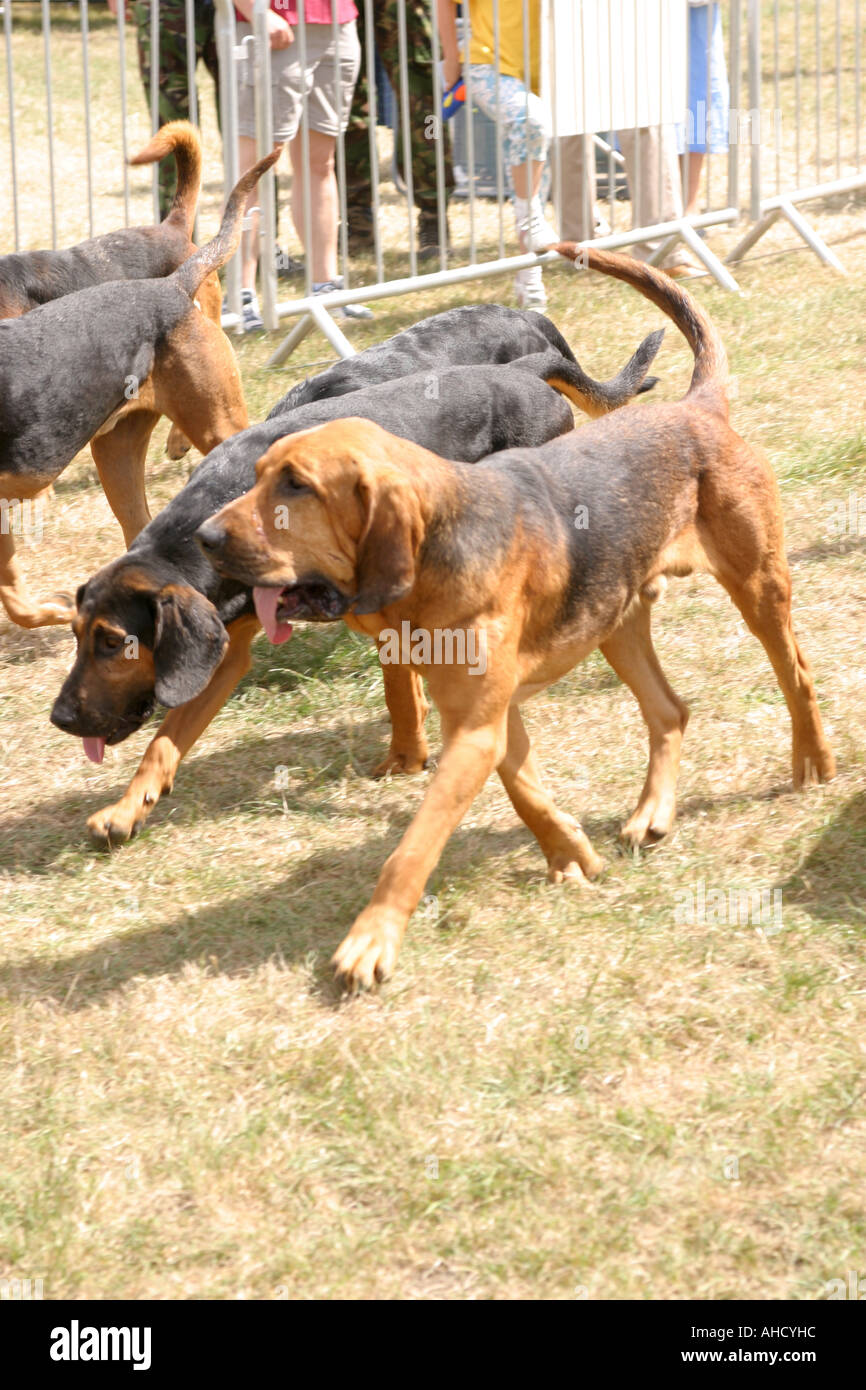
(711, 362)
(225, 243)
(181, 139)
(596, 398)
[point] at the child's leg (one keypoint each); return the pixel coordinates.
(250, 242)
(525, 125)
(323, 202)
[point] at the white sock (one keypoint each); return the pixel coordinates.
(530, 277)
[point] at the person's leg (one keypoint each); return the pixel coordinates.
(173, 81)
(331, 81)
(206, 50)
(250, 239)
(356, 151)
(324, 203)
(419, 87)
(656, 190)
(525, 126)
(576, 197)
(692, 180)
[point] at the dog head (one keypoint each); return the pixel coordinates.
(143, 639)
(332, 526)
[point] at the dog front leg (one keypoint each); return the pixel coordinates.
(370, 950)
(569, 854)
(176, 735)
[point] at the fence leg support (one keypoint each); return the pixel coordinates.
(754, 234)
(338, 340)
(662, 249)
(785, 208)
(720, 274)
(296, 335)
(810, 236)
(317, 317)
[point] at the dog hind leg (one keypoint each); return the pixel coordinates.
(120, 457)
(404, 696)
(23, 610)
(630, 651)
(741, 530)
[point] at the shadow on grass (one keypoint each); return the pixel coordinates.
(19, 646)
(825, 550)
(309, 911)
(830, 883)
(216, 783)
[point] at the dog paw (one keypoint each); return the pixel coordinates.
(561, 869)
(177, 443)
(649, 825)
(114, 825)
(572, 859)
(401, 763)
(813, 767)
(369, 953)
(47, 612)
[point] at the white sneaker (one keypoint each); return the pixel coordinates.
(529, 288)
(535, 233)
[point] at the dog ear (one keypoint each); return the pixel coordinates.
(385, 565)
(189, 641)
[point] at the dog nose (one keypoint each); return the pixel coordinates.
(63, 717)
(210, 536)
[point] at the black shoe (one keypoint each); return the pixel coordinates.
(360, 225)
(286, 264)
(428, 235)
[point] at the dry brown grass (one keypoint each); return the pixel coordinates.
(191, 1111)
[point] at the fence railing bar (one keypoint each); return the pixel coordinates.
(10, 101)
(267, 184)
(405, 131)
(838, 92)
(736, 87)
(154, 93)
(88, 147)
(343, 252)
(817, 91)
(373, 98)
(500, 168)
(470, 132)
(777, 97)
(124, 136)
(46, 48)
(191, 89)
(439, 132)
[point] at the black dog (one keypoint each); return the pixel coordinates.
(473, 335)
(183, 616)
(31, 278)
(81, 367)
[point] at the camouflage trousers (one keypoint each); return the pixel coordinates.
(173, 81)
(419, 52)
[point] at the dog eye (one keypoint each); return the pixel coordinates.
(110, 642)
(291, 487)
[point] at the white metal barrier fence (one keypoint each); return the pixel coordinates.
(794, 69)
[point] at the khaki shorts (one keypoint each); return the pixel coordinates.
(288, 82)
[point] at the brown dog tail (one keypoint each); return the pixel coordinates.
(596, 398)
(711, 362)
(181, 139)
(225, 243)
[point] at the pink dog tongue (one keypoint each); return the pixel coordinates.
(94, 748)
(266, 601)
